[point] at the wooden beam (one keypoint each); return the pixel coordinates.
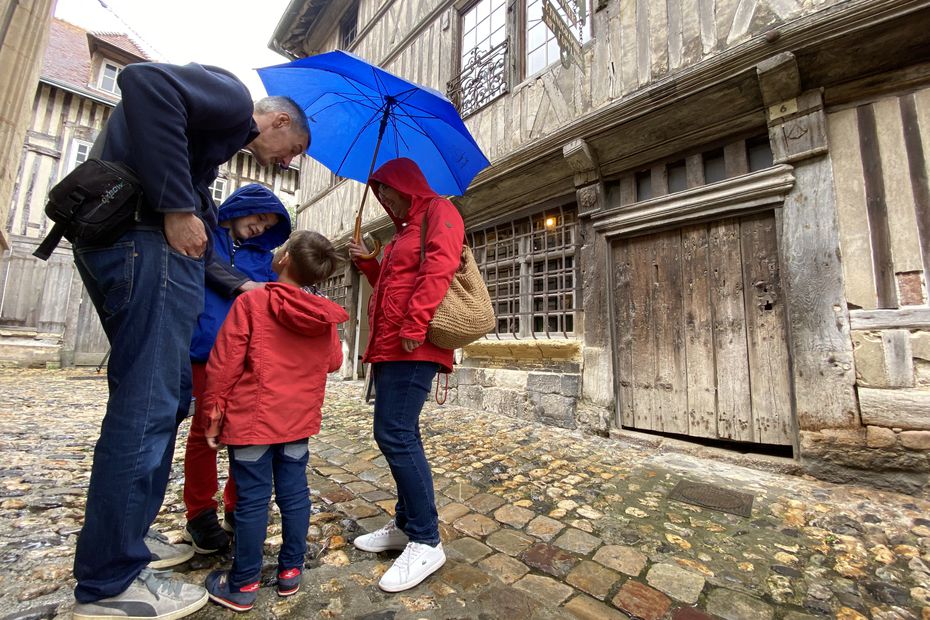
(905, 409)
(903, 318)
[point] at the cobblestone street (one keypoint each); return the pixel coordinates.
(537, 522)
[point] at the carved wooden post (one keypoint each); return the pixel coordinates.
(819, 337)
(597, 378)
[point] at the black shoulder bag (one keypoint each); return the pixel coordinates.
(95, 202)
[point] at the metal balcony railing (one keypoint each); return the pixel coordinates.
(483, 79)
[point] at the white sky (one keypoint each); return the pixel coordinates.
(232, 34)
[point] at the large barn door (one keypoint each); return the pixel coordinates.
(700, 326)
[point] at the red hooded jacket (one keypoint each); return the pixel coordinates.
(266, 375)
(407, 292)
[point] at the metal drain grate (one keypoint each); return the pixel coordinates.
(713, 498)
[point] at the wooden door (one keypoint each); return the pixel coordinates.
(700, 329)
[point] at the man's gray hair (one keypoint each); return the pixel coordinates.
(289, 107)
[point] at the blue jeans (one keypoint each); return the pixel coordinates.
(253, 469)
(148, 297)
(401, 389)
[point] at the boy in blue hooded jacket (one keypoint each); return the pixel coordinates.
(252, 223)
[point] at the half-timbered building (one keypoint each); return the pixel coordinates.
(704, 219)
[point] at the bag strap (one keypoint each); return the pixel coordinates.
(51, 241)
(423, 232)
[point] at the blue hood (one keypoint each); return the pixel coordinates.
(250, 200)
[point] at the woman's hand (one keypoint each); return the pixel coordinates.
(409, 345)
(356, 250)
(214, 443)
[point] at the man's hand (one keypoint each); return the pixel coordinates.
(248, 285)
(214, 443)
(185, 233)
(409, 345)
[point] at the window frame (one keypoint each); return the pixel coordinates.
(73, 152)
(218, 182)
(345, 42)
(102, 75)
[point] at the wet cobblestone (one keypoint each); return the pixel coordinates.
(539, 522)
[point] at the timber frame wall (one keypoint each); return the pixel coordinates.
(663, 80)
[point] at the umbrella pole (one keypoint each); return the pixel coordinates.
(358, 218)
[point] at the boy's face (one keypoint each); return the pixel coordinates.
(249, 226)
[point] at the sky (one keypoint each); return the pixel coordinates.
(232, 34)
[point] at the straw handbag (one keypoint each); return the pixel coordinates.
(465, 313)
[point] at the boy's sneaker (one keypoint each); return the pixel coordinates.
(150, 595)
(288, 581)
(205, 534)
(164, 554)
(229, 522)
(387, 538)
(219, 590)
(416, 563)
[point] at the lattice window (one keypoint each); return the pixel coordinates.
(335, 288)
(532, 275)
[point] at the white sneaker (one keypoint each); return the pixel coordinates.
(416, 563)
(387, 538)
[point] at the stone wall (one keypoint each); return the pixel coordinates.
(538, 380)
(891, 448)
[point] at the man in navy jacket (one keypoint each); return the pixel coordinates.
(174, 126)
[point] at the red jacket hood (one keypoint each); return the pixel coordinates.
(405, 176)
(302, 311)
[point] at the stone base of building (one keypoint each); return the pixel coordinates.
(29, 349)
(885, 458)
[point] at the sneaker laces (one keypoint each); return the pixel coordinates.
(411, 552)
(387, 530)
(158, 584)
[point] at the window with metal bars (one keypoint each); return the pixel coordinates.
(530, 267)
(336, 289)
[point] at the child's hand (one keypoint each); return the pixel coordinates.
(214, 443)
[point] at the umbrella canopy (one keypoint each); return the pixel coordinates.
(348, 100)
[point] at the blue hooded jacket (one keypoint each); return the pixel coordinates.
(233, 264)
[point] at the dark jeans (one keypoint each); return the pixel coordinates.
(401, 389)
(254, 468)
(148, 297)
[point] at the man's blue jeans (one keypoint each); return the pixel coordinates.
(253, 469)
(148, 297)
(401, 389)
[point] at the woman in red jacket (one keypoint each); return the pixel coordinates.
(406, 293)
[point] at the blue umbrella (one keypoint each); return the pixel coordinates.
(362, 116)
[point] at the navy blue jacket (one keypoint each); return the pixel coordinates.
(234, 263)
(174, 126)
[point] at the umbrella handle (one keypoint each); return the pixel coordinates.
(357, 237)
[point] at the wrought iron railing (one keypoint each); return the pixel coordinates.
(483, 79)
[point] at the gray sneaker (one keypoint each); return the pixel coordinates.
(150, 595)
(164, 554)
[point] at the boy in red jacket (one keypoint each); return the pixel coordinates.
(266, 377)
